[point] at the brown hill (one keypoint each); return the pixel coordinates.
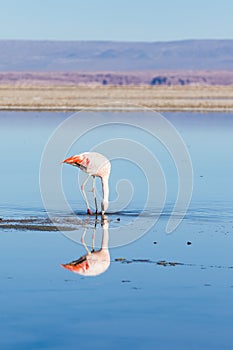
(115, 56)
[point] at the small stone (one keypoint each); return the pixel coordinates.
(155, 242)
(120, 259)
(189, 243)
(118, 219)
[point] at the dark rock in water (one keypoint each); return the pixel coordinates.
(168, 263)
(118, 219)
(120, 259)
(189, 243)
(142, 260)
(155, 242)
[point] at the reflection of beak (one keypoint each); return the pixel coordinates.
(69, 266)
(77, 267)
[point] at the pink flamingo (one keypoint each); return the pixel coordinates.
(94, 262)
(94, 164)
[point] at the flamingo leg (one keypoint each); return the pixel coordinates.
(94, 193)
(83, 241)
(93, 238)
(85, 196)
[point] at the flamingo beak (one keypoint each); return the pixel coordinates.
(69, 267)
(77, 268)
(72, 160)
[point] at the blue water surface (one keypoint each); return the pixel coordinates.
(162, 291)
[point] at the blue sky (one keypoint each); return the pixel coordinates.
(122, 20)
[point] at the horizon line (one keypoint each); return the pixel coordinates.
(118, 41)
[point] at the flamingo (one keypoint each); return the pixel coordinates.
(94, 164)
(94, 262)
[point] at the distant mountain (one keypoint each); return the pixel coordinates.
(90, 56)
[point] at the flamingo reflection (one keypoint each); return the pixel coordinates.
(94, 262)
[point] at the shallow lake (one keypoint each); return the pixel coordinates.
(160, 290)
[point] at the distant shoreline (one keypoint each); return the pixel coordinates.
(120, 78)
(206, 98)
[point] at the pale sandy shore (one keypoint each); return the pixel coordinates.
(98, 97)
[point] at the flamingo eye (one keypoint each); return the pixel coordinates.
(87, 161)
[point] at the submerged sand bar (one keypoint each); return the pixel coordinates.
(91, 97)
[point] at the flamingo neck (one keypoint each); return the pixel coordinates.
(105, 188)
(104, 245)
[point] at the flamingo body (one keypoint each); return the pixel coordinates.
(94, 164)
(92, 264)
(95, 262)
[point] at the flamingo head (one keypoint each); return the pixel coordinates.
(80, 160)
(80, 268)
(74, 160)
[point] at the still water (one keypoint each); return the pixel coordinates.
(155, 291)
